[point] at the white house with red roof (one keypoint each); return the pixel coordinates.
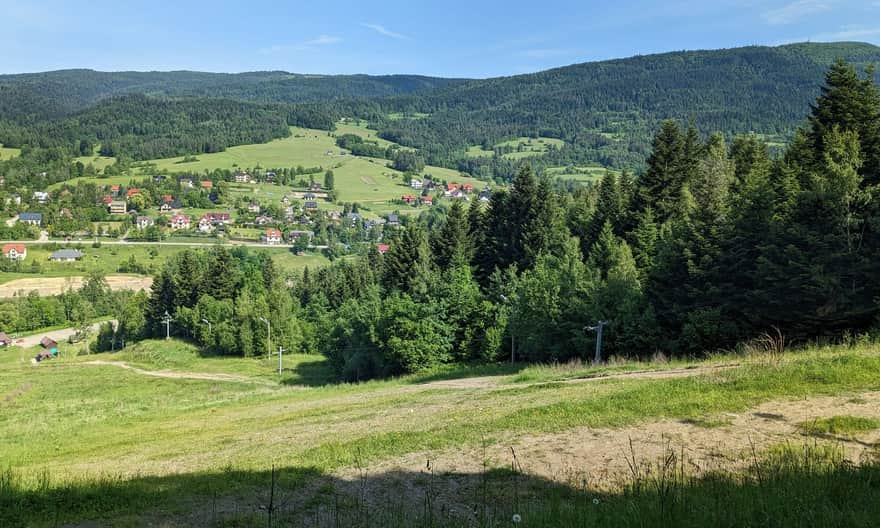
(15, 251)
(180, 221)
(271, 236)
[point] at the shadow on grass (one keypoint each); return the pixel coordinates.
(311, 374)
(811, 486)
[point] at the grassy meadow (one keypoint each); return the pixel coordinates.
(580, 174)
(109, 257)
(91, 441)
(8, 153)
(524, 147)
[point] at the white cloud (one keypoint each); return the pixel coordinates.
(323, 40)
(386, 32)
(793, 11)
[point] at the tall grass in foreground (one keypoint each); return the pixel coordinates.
(788, 486)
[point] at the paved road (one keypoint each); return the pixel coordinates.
(58, 335)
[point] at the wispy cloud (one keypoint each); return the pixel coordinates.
(323, 40)
(794, 11)
(382, 30)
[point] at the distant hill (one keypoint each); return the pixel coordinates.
(605, 112)
(609, 110)
(34, 96)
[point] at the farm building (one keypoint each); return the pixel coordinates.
(31, 218)
(15, 251)
(66, 255)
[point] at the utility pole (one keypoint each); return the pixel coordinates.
(167, 321)
(280, 351)
(269, 334)
(598, 329)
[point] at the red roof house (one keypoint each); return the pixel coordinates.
(207, 184)
(383, 248)
(131, 192)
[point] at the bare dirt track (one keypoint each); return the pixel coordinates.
(603, 457)
(173, 374)
(56, 285)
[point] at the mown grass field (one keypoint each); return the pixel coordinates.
(97, 441)
(581, 174)
(524, 147)
(99, 162)
(108, 258)
(8, 153)
(357, 179)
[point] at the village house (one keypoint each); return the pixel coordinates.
(131, 192)
(217, 219)
(263, 220)
(114, 190)
(393, 220)
(427, 200)
(206, 184)
(41, 196)
(117, 207)
(409, 199)
(172, 206)
(271, 236)
(65, 212)
(13, 198)
(334, 215)
(309, 196)
(253, 207)
(31, 218)
(241, 177)
(383, 248)
(167, 198)
(468, 188)
(416, 183)
(270, 177)
(205, 224)
(311, 206)
(144, 222)
(159, 178)
(15, 251)
(186, 183)
(66, 255)
(429, 185)
(180, 221)
(5, 340)
(315, 186)
(296, 235)
(49, 344)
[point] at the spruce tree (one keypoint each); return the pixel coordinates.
(659, 186)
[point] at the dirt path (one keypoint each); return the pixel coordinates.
(178, 375)
(57, 285)
(494, 382)
(602, 457)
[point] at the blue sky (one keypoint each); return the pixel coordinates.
(452, 38)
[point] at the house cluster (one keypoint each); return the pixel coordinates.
(458, 190)
(411, 199)
(211, 221)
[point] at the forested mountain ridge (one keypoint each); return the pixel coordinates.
(607, 111)
(32, 96)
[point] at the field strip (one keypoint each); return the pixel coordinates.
(605, 456)
(57, 285)
(178, 375)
